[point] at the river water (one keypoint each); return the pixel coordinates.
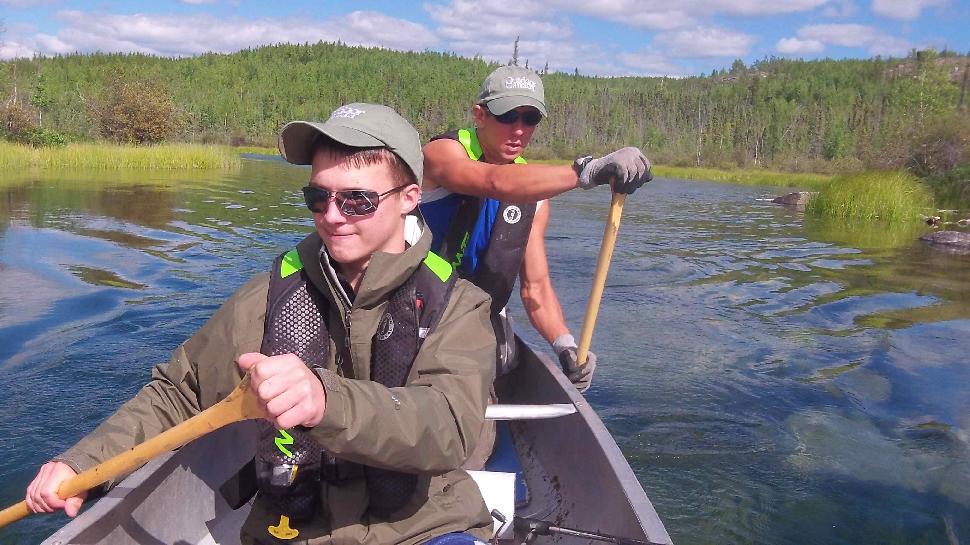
(771, 379)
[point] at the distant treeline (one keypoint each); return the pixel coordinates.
(822, 115)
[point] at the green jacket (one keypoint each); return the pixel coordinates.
(429, 426)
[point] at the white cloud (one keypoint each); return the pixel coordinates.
(13, 50)
(666, 15)
(840, 9)
(705, 42)
(757, 8)
(903, 10)
(651, 63)
(872, 39)
(197, 2)
(495, 23)
(181, 35)
(489, 29)
(795, 46)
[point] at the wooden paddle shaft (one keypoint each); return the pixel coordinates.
(599, 279)
(237, 406)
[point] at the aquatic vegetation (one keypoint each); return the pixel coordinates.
(886, 196)
(856, 232)
(747, 176)
(14, 157)
(741, 176)
(256, 150)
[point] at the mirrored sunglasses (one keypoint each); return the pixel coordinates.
(529, 117)
(351, 202)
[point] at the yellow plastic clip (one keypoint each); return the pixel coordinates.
(283, 530)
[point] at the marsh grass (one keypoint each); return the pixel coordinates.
(748, 176)
(745, 176)
(862, 234)
(256, 150)
(886, 196)
(115, 157)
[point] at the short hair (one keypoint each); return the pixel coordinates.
(356, 157)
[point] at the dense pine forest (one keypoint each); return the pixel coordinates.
(825, 116)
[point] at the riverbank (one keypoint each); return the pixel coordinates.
(893, 196)
(256, 150)
(116, 157)
(748, 176)
(744, 176)
(886, 196)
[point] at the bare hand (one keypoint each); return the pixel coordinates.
(42, 492)
(289, 392)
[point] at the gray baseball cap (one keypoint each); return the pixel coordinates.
(358, 125)
(509, 87)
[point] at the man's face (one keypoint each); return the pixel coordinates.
(502, 142)
(351, 240)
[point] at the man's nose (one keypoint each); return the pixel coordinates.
(331, 212)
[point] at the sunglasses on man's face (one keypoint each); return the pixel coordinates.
(351, 202)
(529, 117)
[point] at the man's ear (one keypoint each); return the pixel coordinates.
(410, 197)
(479, 113)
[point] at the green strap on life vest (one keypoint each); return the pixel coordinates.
(468, 138)
(439, 266)
(291, 263)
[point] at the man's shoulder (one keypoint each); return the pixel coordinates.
(466, 294)
(252, 294)
(436, 194)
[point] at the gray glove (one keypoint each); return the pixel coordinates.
(580, 375)
(625, 170)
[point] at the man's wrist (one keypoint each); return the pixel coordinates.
(563, 342)
(578, 165)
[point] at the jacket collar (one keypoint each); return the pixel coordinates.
(384, 273)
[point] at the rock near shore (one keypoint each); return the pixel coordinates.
(797, 198)
(950, 241)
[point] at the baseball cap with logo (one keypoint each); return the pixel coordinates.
(358, 125)
(509, 87)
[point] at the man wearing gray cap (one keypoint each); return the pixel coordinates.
(488, 210)
(370, 358)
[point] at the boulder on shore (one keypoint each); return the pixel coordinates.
(798, 198)
(950, 241)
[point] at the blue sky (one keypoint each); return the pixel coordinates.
(599, 37)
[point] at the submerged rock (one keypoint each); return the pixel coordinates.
(951, 241)
(798, 198)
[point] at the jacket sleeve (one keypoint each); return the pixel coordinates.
(199, 373)
(431, 424)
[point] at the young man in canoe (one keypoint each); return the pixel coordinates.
(371, 360)
(488, 209)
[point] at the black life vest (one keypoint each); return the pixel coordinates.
(499, 266)
(296, 322)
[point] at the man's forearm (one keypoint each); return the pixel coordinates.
(544, 311)
(528, 183)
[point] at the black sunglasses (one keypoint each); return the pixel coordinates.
(352, 202)
(529, 117)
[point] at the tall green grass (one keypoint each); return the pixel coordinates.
(742, 176)
(886, 196)
(749, 176)
(256, 150)
(115, 157)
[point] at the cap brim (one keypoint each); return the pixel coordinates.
(501, 105)
(297, 138)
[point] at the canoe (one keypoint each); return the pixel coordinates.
(571, 476)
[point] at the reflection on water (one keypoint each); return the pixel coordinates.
(772, 379)
(863, 235)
